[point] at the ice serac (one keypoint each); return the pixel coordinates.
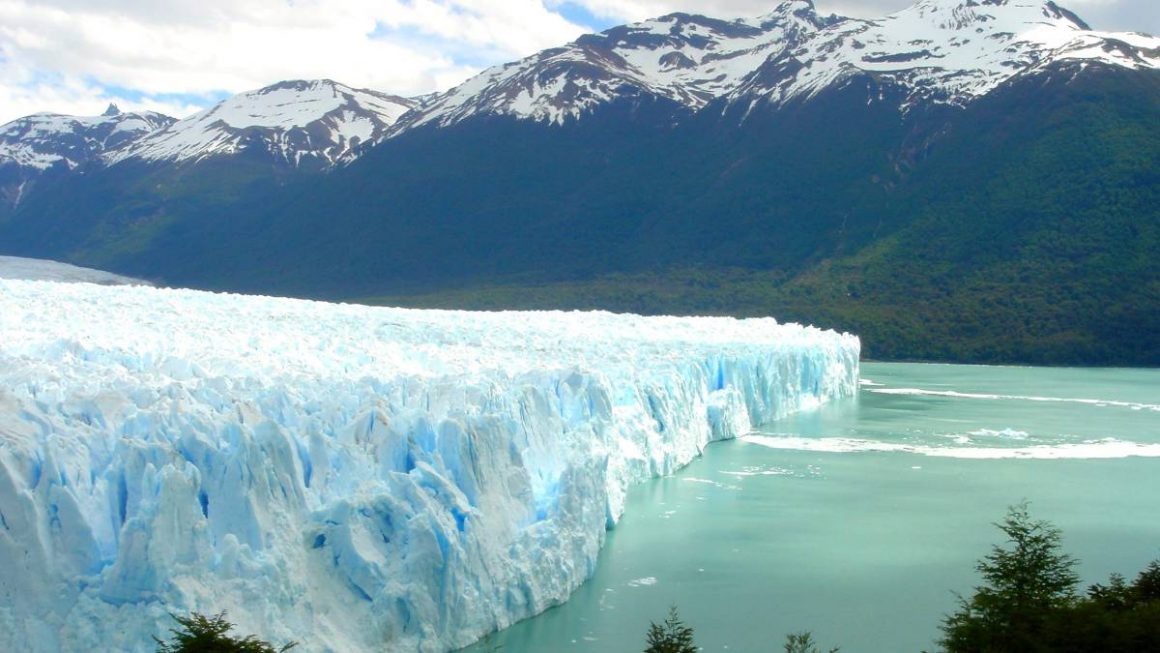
(349, 477)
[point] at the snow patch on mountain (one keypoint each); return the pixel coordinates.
(349, 477)
(318, 123)
(44, 140)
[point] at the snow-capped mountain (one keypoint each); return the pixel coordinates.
(946, 51)
(940, 51)
(684, 58)
(45, 142)
(303, 123)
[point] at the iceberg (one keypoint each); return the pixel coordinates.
(348, 477)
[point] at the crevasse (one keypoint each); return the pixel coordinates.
(353, 478)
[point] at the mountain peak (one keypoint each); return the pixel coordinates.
(802, 11)
(318, 122)
(791, 7)
(302, 85)
(961, 14)
(112, 110)
(1060, 12)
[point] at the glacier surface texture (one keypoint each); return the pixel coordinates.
(353, 478)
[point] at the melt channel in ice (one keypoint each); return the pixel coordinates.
(353, 478)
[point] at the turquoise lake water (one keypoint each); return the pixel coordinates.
(859, 522)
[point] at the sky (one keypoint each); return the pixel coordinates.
(180, 56)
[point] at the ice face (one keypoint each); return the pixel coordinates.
(352, 478)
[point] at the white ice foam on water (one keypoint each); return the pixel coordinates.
(972, 395)
(761, 471)
(706, 481)
(1009, 433)
(1089, 450)
(352, 478)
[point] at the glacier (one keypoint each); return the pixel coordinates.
(37, 269)
(348, 477)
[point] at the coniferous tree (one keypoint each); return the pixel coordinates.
(803, 642)
(1026, 583)
(671, 636)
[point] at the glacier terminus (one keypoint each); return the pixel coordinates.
(348, 477)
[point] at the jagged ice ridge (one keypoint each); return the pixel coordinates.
(353, 478)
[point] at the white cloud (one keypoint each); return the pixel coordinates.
(74, 56)
(74, 53)
(1141, 15)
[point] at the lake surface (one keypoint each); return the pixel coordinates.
(859, 522)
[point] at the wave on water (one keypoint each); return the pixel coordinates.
(1093, 449)
(971, 395)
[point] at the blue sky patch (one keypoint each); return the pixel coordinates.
(459, 52)
(128, 95)
(578, 14)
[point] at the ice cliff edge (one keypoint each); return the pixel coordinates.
(352, 478)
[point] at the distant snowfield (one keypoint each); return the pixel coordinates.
(34, 269)
(349, 477)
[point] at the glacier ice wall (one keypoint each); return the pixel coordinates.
(353, 478)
